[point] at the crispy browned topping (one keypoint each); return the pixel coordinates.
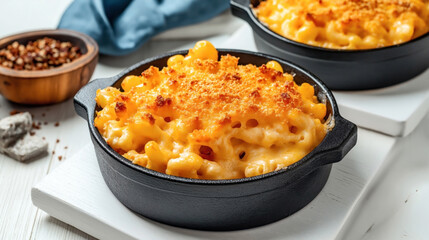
(357, 10)
(349, 24)
(120, 107)
(211, 119)
(225, 120)
(150, 118)
(255, 93)
(160, 101)
(347, 11)
(218, 91)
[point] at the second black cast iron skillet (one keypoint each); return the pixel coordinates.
(341, 69)
(219, 204)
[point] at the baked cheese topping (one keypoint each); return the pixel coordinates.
(200, 117)
(344, 24)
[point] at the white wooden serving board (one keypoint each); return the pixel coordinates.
(76, 194)
(395, 110)
(395, 203)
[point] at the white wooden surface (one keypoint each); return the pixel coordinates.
(19, 219)
(76, 193)
(394, 110)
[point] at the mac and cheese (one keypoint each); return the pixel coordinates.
(200, 117)
(344, 24)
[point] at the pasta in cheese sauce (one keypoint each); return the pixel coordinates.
(200, 117)
(345, 24)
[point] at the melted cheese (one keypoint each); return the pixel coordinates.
(205, 118)
(344, 24)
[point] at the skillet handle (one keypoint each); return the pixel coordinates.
(337, 143)
(85, 98)
(241, 8)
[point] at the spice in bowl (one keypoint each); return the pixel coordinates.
(44, 53)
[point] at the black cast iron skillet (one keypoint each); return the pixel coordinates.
(218, 204)
(341, 69)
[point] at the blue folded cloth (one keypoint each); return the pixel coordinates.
(122, 26)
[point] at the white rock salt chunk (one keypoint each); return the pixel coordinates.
(27, 148)
(14, 127)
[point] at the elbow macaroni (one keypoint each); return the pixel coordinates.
(343, 24)
(205, 118)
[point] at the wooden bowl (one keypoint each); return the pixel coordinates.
(39, 87)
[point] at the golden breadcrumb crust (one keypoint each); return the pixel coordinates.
(365, 23)
(209, 93)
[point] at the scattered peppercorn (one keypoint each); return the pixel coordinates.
(13, 112)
